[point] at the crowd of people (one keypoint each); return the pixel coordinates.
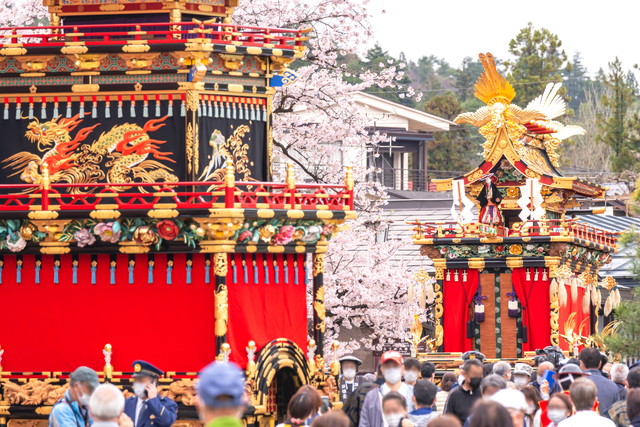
(583, 392)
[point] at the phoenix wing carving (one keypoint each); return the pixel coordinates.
(477, 118)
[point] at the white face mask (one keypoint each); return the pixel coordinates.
(530, 410)
(539, 379)
(556, 415)
(83, 400)
(393, 420)
(411, 376)
(521, 381)
(392, 375)
(139, 390)
(349, 374)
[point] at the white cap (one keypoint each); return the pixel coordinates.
(510, 399)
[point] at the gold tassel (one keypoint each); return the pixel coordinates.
(562, 295)
(574, 290)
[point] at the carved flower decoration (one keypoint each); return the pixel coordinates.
(168, 229)
(515, 249)
(27, 230)
(145, 236)
(284, 236)
(84, 237)
(267, 232)
(16, 245)
(107, 231)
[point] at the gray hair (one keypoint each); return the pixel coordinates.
(493, 380)
(501, 368)
(619, 372)
(85, 375)
(106, 403)
(583, 393)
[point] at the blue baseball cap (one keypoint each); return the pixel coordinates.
(221, 384)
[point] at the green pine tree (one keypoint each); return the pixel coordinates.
(538, 60)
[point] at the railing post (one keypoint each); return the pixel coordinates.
(230, 185)
(46, 186)
(349, 183)
(291, 185)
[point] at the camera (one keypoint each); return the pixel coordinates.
(550, 353)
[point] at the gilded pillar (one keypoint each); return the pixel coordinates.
(319, 313)
(191, 141)
(554, 307)
(438, 306)
(221, 300)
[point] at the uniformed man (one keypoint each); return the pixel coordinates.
(147, 409)
(349, 382)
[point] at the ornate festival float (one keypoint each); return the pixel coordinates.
(515, 272)
(136, 217)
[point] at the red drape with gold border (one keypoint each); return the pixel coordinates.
(573, 305)
(533, 294)
(457, 297)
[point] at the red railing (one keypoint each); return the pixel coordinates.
(151, 33)
(180, 195)
(551, 227)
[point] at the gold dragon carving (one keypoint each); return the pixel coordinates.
(33, 392)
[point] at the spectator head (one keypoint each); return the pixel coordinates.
(448, 380)
(487, 369)
(424, 394)
(590, 358)
(428, 371)
(502, 369)
(331, 419)
(391, 366)
(633, 379)
(514, 402)
(411, 370)
(568, 374)
(619, 372)
(533, 398)
(491, 384)
(583, 394)
(559, 407)
(82, 382)
(490, 414)
(106, 403)
(542, 368)
(633, 403)
(349, 366)
(522, 374)
(445, 421)
(607, 367)
(369, 377)
(303, 405)
(472, 373)
(221, 391)
(394, 408)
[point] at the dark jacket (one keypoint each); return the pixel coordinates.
(635, 422)
(354, 403)
(460, 402)
(159, 412)
(607, 390)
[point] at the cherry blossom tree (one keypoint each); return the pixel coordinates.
(364, 288)
(22, 13)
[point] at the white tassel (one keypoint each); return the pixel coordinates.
(594, 295)
(410, 293)
(430, 294)
(422, 298)
(585, 302)
(553, 288)
(562, 295)
(598, 299)
(618, 297)
(574, 290)
(608, 306)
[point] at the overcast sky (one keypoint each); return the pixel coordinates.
(453, 29)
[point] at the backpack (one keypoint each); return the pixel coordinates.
(353, 405)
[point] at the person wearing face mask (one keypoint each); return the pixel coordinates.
(391, 369)
(522, 375)
(394, 408)
(540, 372)
(73, 409)
(559, 408)
(462, 398)
(147, 408)
(411, 371)
(349, 382)
(221, 395)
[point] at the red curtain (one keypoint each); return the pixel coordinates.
(534, 298)
(261, 311)
(574, 306)
(457, 297)
(50, 326)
